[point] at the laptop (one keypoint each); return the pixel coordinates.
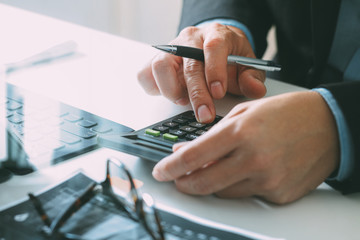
(36, 131)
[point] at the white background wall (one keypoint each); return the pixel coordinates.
(149, 21)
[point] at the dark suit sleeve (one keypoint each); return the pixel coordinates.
(348, 98)
(252, 13)
(256, 15)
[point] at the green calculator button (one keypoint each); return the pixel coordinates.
(170, 137)
(152, 132)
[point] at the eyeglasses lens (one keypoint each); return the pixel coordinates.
(151, 218)
(124, 187)
(121, 186)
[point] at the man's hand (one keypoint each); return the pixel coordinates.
(278, 148)
(182, 79)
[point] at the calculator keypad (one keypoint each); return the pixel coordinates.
(180, 128)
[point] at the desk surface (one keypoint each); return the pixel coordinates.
(101, 79)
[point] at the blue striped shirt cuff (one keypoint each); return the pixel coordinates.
(346, 144)
(234, 23)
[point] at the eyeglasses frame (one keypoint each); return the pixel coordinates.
(91, 191)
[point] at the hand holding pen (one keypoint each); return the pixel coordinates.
(185, 79)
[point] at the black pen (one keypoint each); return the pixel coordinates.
(198, 54)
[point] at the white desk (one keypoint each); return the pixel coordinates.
(102, 79)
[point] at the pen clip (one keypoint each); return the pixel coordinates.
(260, 67)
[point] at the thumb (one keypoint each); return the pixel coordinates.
(179, 145)
(251, 83)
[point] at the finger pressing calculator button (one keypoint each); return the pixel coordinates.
(170, 137)
(152, 132)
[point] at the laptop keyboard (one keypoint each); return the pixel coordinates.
(50, 132)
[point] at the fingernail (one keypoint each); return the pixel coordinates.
(217, 89)
(182, 101)
(158, 175)
(204, 114)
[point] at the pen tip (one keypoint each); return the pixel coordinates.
(160, 47)
(165, 48)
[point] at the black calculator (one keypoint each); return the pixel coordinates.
(155, 141)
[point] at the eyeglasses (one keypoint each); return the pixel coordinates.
(120, 187)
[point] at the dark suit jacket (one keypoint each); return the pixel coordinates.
(304, 32)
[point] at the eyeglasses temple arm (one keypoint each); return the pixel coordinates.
(85, 197)
(39, 209)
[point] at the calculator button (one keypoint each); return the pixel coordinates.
(201, 236)
(178, 132)
(188, 115)
(170, 137)
(170, 124)
(208, 128)
(161, 128)
(197, 125)
(200, 132)
(189, 233)
(152, 132)
(176, 228)
(188, 129)
(191, 136)
(180, 121)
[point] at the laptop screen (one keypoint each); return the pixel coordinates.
(4, 173)
(3, 142)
